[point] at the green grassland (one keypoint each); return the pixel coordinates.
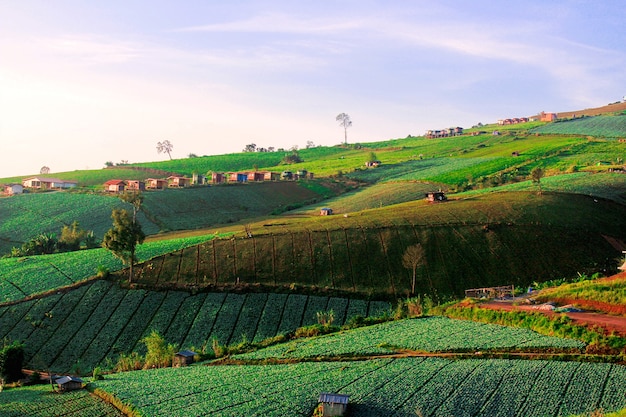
(82, 328)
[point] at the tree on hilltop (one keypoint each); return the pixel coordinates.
(345, 122)
(165, 147)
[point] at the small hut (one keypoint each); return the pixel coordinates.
(156, 183)
(115, 186)
(183, 358)
(326, 211)
(69, 383)
(333, 404)
(286, 175)
(436, 196)
(136, 185)
(218, 177)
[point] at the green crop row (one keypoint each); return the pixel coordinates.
(99, 321)
(400, 387)
(604, 126)
(23, 277)
(432, 334)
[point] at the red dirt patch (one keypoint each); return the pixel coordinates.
(606, 322)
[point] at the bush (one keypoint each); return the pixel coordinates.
(160, 353)
(97, 374)
(11, 361)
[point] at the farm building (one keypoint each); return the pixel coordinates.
(115, 186)
(135, 185)
(372, 164)
(183, 358)
(286, 175)
(256, 176)
(47, 183)
(326, 211)
(69, 383)
(301, 174)
(547, 117)
(198, 179)
(12, 189)
(333, 404)
(178, 181)
(156, 183)
(271, 176)
(237, 177)
(436, 196)
(217, 177)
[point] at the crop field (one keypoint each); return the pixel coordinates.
(83, 327)
(179, 209)
(603, 126)
(478, 241)
(431, 334)
(28, 215)
(27, 276)
(390, 387)
(40, 401)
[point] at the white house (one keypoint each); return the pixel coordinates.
(47, 183)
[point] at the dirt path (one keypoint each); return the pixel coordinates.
(610, 323)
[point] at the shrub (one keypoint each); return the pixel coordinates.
(325, 318)
(129, 362)
(97, 374)
(160, 353)
(11, 361)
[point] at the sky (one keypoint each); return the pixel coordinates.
(83, 82)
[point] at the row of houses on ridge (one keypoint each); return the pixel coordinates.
(38, 183)
(445, 133)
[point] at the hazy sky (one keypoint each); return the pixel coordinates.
(85, 82)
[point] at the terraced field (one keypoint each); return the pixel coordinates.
(28, 276)
(602, 126)
(382, 387)
(82, 328)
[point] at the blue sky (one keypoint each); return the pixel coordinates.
(86, 82)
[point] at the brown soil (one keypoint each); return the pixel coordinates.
(607, 322)
(610, 108)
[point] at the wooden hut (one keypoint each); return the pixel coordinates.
(436, 196)
(135, 185)
(286, 175)
(256, 176)
(183, 358)
(115, 186)
(69, 383)
(217, 177)
(333, 404)
(13, 189)
(156, 183)
(271, 176)
(326, 211)
(178, 181)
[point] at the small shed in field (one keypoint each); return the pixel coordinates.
(178, 181)
(286, 175)
(217, 177)
(237, 176)
(436, 196)
(183, 358)
(135, 185)
(69, 383)
(12, 189)
(256, 176)
(271, 176)
(333, 404)
(198, 179)
(326, 211)
(115, 186)
(156, 183)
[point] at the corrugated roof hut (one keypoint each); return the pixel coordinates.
(436, 196)
(326, 211)
(333, 404)
(183, 358)
(69, 383)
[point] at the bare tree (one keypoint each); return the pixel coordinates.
(165, 147)
(413, 257)
(345, 122)
(44, 170)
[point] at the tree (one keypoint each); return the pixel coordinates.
(159, 353)
(123, 237)
(165, 147)
(135, 198)
(71, 237)
(44, 170)
(413, 257)
(251, 147)
(310, 144)
(11, 361)
(345, 122)
(536, 175)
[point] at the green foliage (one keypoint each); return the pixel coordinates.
(122, 239)
(71, 237)
(97, 374)
(11, 361)
(159, 352)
